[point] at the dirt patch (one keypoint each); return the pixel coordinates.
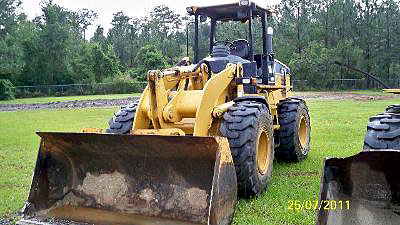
(340, 96)
(107, 189)
(197, 198)
(78, 104)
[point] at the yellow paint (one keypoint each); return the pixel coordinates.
(392, 91)
(171, 102)
(171, 132)
(218, 111)
(303, 132)
(263, 152)
(212, 91)
(92, 130)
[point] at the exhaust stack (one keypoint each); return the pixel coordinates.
(270, 34)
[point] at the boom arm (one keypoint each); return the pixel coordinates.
(170, 102)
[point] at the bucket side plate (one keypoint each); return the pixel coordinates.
(365, 189)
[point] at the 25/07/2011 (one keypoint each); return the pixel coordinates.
(318, 205)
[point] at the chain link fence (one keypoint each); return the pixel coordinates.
(79, 89)
(138, 87)
(346, 84)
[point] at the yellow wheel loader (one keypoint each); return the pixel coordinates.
(365, 189)
(200, 135)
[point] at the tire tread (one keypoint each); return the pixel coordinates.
(383, 132)
(240, 127)
(287, 113)
(122, 121)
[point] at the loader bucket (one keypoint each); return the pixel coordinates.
(361, 190)
(131, 179)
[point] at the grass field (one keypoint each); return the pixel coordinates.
(338, 128)
(63, 99)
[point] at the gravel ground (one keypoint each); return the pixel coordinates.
(5, 222)
(53, 222)
(68, 104)
(120, 102)
(341, 96)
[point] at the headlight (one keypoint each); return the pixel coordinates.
(244, 2)
(246, 81)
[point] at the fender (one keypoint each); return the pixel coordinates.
(260, 99)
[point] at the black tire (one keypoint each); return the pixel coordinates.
(393, 109)
(245, 125)
(383, 132)
(122, 121)
(294, 144)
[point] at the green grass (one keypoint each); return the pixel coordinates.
(69, 98)
(19, 145)
(338, 128)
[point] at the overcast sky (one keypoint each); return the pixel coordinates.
(133, 8)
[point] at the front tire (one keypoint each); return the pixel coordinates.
(122, 121)
(295, 131)
(248, 127)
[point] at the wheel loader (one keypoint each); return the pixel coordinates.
(367, 184)
(201, 134)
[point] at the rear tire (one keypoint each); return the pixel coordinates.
(383, 132)
(295, 131)
(248, 127)
(122, 121)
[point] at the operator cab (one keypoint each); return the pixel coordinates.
(241, 48)
(260, 66)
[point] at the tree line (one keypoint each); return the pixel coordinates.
(310, 35)
(53, 48)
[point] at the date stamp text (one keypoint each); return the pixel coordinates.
(297, 205)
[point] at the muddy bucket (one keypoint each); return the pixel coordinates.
(131, 179)
(361, 190)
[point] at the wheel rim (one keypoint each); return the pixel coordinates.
(263, 153)
(303, 133)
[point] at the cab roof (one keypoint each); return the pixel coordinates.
(228, 11)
